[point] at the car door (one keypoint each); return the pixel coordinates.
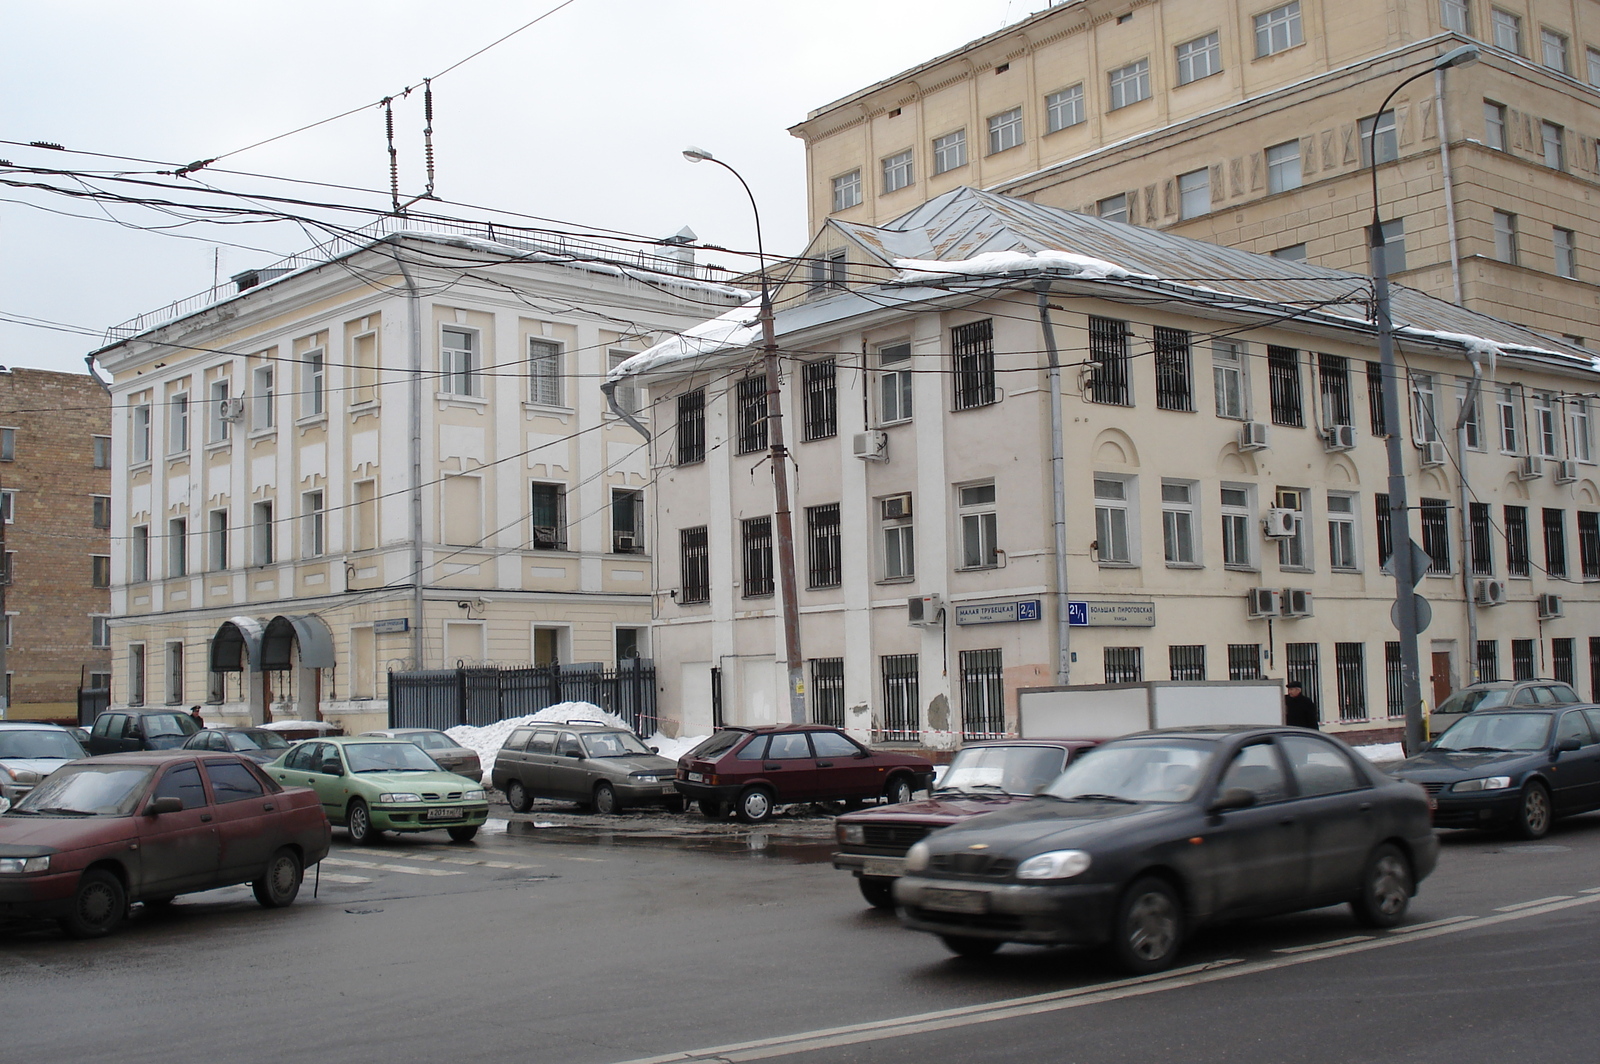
(178, 851)
(1256, 858)
(1574, 773)
(538, 766)
(245, 815)
(843, 769)
(107, 732)
(510, 761)
(791, 767)
(1335, 804)
(565, 773)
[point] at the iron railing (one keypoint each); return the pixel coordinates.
(481, 695)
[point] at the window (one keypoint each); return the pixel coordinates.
(1350, 672)
(979, 524)
(174, 673)
(755, 536)
(1482, 546)
(1580, 444)
(312, 542)
(1494, 125)
(1555, 543)
(1522, 659)
(626, 393)
(1283, 376)
(1194, 193)
(897, 171)
(1278, 29)
(821, 399)
(1565, 244)
(691, 441)
(1111, 520)
(1388, 143)
(894, 383)
(1301, 664)
(1113, 208)
(99, 632)
(1544, 423)
(1385, 518)
(901, 701)
(177, 424)
(950, 151)
(1506, 403)
(1516, 525)
(178, 547)
(847, 190)
(263, 410)
(1376, 418)
(1244, 661)
(1174, 381)
(753, 413)
(1342, 532)
(1553, 50)
(1283, 166)
(458, 362)
(135, 675)
(983, 712)
(1561, 652)
(694, 566)
(826, 553)
(1187, 662)
(1124, 664)
(972, 346)
(1456, 15)
(1333, 388)
(1178, 523)
(1470, 414)
(1294, 552)
(1488, 659)
(1005, 130)
(99, 572)
(1108, 359)
(1237, 518)
(544, 373)
(102, 451)
(263, 532)
(1292, 253)
(1505, 237)
(1424, 409)
(1593, 57)
(1130, 84)
(1507, 29)
(548, 511)
(1553, 139)
(8, 507)
(899, 544)
(1589, 544)
(313, 377)
(1199, 58)
(827, 693)
(1394, 246)
(364, 368)
(1436, 535)
(139, 554)
(138, 433)
(8, 445)
(1227, 371)
(221, 419)
(101, 506)
(1065, 108)
(217, 534)
(627, 521)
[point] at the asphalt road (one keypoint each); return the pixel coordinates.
(626, 939)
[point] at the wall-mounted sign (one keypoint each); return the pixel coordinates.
(391, 625)
(1092, 614)
(998, 612)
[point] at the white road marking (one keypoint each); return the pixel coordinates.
(473, 861)
(339, 877)
(1590, 890)
(1431, 923)
(921, 1023)
(347, 863)
(1531, 904)
(1325, 945)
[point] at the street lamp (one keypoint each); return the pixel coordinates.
(783, 526)
(1404, 613)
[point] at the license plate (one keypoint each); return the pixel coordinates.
(695, 777)
(444, 814)
(1433, 804)
(883, 866)
(955, 901)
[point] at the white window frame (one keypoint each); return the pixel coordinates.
(977, 512)
(627, 392)
(1283, 167)
(313, 526)
(217, 540)
(1472, 425)
(896, 398)
(100, 511)
(1005, 131)
(899, 171)
(545, 381)
(459, 363)
(313, 382)
(1278, 30)
(1580, 437)
(1456, 15)
(1116, 515)
(1506, 29)
(1113, 208)
(1505, 237)
(1199, 58)
(178, 423)
(1238, 526)
(1545, 428)
(263, 532)
(1228, 370)
(100, 630)
(139, 554)
(1065, 109)
(949, 152)
(220, 427)
(1128, 85)
(1592, 57)
(1553, 142)
(139, 434)
(1294, 552)
(1494, 125)
(101, 445)
(1194, 193)
(1565, 244)
(897, 540)
(263, 406)
(1385, 130)
(1554, 46)
(1506, 403)
(847, 190)
(178, 547)
(1344, 531)
(1424, 408)
(1180, 520)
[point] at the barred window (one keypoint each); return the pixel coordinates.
(1483, 545)
(544, 372)
(1174, 377)
(1555, 543)
(1522, 659)
(1302, 668)
(982, 695)
(756, 537)
(1108, 355)
(827, 691)
(1488, 659)
(1436, 535)
(1187, 662)
(901, 716)
(1594, 666)
(1350, 668)
(1244, 661)
(822, 524)
(1283, 375)
(1394, 680)
(1375, 415)
(691, 443)
(1124, 664)
(821, 399)
(753, 413)
(1588, 543)
(1516, 524)
(694, 559)
(972, 347)
(1333, 384)
(1380, 503)
(1561, 660)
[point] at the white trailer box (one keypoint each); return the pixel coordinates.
(1105, 711)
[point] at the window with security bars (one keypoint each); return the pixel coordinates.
(1589, 544)
(1380, 504)
(1516, 524)
(983, 714)
(825, 553)
(1333, 386)
(901, 717)
(1488, 659)
(1375, 415)
(1555, 543)
(972, 349)
(1244, 661)
(1187, 662)
(1350, 670)
(1283, 378)
(694, 560)
(1301, 666)
(1108, 362)
(821, 399)
(1124, 664)
(691, 441)
(544, 372)
(1436, 535)
(827, 691)
(1482, 541)
(1561, 660)
(1174, 378)
(1594, 666)
(1393, 682)
(755, 536)
(753, 413)
(548, 511)
(1522, 659)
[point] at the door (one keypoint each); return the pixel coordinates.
(1442, 686)
(1257, 856)
(538, 764)
(1575, 773)
(178, 851)
(842, 770)
(790, 766)
(244, 811)
(565, 773)
(1335, 803)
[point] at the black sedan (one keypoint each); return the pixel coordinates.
(258, 744)
(1511, 768)
(1147, 837)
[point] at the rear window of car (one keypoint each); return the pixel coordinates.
(543, 742)
(719, 743)
(518, 739)
(162, 724)
(1563, 693)
(754, 750)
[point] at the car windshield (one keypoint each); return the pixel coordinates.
(43, 743)
(160, 725)
(88, 790)
(1486, 732)
(1468, 700)
(1002, 769)
(388, 757)
(256, 740)
(1136, 770)
(614, 744)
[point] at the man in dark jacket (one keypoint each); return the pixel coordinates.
(1298, 710)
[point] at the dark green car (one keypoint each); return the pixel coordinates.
(603, 768)
(370, 786)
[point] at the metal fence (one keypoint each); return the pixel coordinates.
(92, 701)
(481, 695)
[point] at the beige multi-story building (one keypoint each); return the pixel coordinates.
(1221, 477)
(388, 454)
(1249, 124)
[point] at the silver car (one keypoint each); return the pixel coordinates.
(602, 768)
(451, 755)
(1499, 694)
(29, 752)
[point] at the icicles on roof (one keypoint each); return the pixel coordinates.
(739, 327)
(992, 263)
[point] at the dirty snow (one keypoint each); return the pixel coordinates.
(1382, 752)
(488, 740)
(918, 271)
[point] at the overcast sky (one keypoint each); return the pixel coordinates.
(580, 118)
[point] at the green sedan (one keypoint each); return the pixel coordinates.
(370, 786)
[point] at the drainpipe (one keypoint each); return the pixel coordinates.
(1449, 209)
(1058, 489)
(1474, 389)
(414, 329)
(610, 390)
(88, 360)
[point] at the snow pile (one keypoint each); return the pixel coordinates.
(488, 740)
(1382, 752)
(991, 263)
(739, 327)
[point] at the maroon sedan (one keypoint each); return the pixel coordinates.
(754, 769)
(100, 833)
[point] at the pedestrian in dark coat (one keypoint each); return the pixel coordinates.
(1300, 711)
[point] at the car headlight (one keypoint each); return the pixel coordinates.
(641, 777)
(851, 834)
(399, 796)
(16, 866)
(472, 796)
(917, 857)
(1488, 783)
(1057, 864)
(22, 775)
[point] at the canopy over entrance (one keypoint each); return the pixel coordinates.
(282, 632)
(237, 645)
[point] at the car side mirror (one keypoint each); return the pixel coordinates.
(1233, 798)
(158, 806)
(1569, 744)
(576, 755)
(331, 767)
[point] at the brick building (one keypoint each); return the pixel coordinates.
(55, 476)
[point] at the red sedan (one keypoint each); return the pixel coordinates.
(106, 831)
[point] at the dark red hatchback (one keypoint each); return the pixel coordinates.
(754, 769)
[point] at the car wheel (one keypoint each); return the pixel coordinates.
(464, 833)
(754, 805)
(1533, 812)
(1149, 927)
(898, 791)
(98, 906)
(878, 891)
(674, 805)
(712, 809)
(969, 947)
(517, 797)
(280, 883)
(1385, 889)
(358, 821)
(605, 800)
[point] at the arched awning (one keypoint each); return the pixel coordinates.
(316, 642)
(237, 642)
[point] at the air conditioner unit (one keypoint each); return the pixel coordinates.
(1550, 607)
(625, 543)
(544, 536)
(896, 507)
(232, 409)
(1252, 436)
(1432, 454)
(1531, 468)
(924, 611)
(1296, 602)
(1279, 524)
(1264, 602)
(1489, 592)
(1339, 438)
(872, 445)
(1566, 472)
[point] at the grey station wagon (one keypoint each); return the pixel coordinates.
(603, 768)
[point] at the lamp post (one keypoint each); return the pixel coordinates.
(1405, 577)
(782, 521)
